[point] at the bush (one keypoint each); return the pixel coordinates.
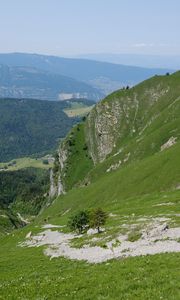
(79, 221)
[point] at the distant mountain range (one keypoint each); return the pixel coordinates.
(141, 60)
(30, 82)
(53, 78)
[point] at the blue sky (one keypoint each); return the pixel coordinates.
(70, 27)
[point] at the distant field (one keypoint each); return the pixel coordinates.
(26, 162)
(78, 111)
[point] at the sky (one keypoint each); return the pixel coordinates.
(72, 27)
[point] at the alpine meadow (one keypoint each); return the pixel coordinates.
(89, 151)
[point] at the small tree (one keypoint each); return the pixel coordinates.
(98, 218)
(79, 221)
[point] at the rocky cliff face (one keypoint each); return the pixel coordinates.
(62, 161)
(107, 123)
(53, 185)
(102, 130)
(125, 116)
(57, 174)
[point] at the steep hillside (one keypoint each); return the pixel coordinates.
(31, 126)
(106, 77)
(126, 127)
(28, 82)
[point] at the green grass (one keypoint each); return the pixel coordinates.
(79, 161)
(26, 273)
(141, 180)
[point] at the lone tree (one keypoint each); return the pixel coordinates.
(98, 218)
(79, 221)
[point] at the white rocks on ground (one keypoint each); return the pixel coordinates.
(156, 238)
(169, 143)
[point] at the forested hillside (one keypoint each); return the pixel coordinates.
(22, 193)
(31, 126)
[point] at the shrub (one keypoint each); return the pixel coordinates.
(79, 221)
(134, 236)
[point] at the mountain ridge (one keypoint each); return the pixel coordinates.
(106, 77)
(30, 82)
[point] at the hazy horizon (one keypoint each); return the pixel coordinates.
(70, 28)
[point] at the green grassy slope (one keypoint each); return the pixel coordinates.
(78, 162)
(28, 274)
(128, 126)
(118, 190)
(139, 187)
